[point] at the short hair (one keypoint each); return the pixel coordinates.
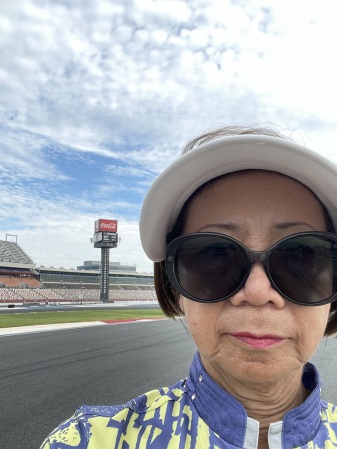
(168, 297)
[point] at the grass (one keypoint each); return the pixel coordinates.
(33, 318)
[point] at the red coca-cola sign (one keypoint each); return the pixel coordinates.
(103, 225)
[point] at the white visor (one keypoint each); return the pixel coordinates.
(229, 154)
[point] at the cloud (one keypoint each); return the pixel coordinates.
(100, 96)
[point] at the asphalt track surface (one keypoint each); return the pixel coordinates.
(46, 376)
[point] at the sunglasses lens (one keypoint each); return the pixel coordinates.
(210, 267)
(304, 268)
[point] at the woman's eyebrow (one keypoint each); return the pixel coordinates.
(292, 224)
(234, 227)
(225, 226)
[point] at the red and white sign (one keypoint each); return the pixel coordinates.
(103, 225)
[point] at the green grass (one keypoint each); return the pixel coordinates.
(32, 318)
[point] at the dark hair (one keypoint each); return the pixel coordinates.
(167, 296)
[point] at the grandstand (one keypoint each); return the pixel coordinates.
(11, 252)
(21, 281)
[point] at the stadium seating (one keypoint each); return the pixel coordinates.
(10, 281)
(22, 295)
(11, 252)
(21, 282)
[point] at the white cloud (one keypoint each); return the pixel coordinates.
(125, 84)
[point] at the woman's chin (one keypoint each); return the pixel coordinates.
(256, 368)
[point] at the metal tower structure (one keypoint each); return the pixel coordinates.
(105, 237)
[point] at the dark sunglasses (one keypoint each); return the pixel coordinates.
(211, 267)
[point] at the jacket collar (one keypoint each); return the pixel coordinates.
(228, 418)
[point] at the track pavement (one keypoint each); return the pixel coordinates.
(45, 375)
(19, 330)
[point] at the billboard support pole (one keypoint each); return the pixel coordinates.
(104, 296)
(105, 237)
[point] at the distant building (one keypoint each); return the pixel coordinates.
(53, 277)
(95, 265)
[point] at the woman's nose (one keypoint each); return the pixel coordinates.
(257, 290)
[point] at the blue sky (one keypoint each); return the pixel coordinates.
(97, 97)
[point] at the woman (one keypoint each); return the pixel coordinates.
(242, 232)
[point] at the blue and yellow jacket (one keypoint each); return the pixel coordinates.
(196, 414)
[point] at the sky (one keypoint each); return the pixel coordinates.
(98, 97)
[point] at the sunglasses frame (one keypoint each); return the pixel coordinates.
(252, 257)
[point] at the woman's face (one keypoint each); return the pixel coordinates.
(256, 334)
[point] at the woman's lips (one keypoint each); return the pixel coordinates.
(258, 341)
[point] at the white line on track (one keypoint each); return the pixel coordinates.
(46, 328)
(64, 326)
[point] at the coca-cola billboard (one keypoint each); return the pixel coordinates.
(103, 225)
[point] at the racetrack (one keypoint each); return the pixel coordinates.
(45, 376)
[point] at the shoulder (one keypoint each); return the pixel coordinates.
(329, 412)
(328, 428)
(100, 424)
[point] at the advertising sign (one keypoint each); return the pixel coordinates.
(98, 237)
(103, 225)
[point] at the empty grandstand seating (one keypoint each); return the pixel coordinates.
(22, 282)
(19, 281)
(11, 252)
(10, 281)
(42, 295)
(132, 295)
(20, 295)
(58, 285)
(30, 282)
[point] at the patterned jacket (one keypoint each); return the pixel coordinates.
(196, 414)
